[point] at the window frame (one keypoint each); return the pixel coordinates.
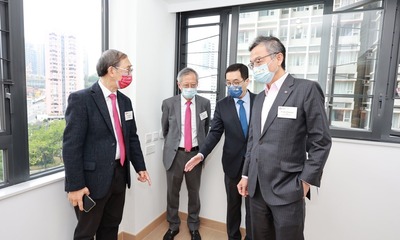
(15, 139)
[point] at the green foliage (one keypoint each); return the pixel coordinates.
(90, 80)
(45, 143)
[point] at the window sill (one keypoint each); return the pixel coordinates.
(31, 185)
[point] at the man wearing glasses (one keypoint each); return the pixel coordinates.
(185, 123)
(231, 116)
(289, 143)
(99, 141)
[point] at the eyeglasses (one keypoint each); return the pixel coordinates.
(189, 85)
(235, 83)
(129, 70)
(258, 60)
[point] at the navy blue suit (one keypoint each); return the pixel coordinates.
(226, 120)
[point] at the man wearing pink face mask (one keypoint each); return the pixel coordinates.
(99, 141)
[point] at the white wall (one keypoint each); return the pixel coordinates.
(145, 30)
(358, 198)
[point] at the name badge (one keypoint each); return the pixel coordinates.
(203, 115)
(287, 112)
(128, 115)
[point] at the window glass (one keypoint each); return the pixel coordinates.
(1, 167)
(202, 56)
(61, 51)
(4, 60)
(396, 106)
(298, 28)
(355, 42)
(203, 20)
(341, 5)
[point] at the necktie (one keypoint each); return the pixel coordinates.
(188, 127)
(118, 128)
(242, 117)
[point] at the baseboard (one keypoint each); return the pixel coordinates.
(204, 222)
(146, 231)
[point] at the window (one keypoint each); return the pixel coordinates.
(58, 52)
(338, 43)
(62, 59)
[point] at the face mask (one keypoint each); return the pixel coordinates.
(189, 93)
(262, 74)
(124, 82)
(235, 91)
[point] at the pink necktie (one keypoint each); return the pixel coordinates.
(118, 128)
(188, 128)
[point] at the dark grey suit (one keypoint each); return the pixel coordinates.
(174, 159)
(89, 147)
(286, 150)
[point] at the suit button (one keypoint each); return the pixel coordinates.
(113, 144)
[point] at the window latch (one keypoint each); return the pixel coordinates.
(8, 96)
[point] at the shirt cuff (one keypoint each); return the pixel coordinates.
(243, 176)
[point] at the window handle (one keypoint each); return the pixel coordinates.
(8, 96)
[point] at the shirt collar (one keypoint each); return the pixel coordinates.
(184, 100)
(105, 90)
(277, 84)
(245, 98)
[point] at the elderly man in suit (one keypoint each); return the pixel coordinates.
(99, 142)
(232, 116)
(185, 123)
(289, 143)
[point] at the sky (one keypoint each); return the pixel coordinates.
(81, 18)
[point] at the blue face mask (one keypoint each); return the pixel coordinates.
(235, 91)
(262, 74)
(189, 93)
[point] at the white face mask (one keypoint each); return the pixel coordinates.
(189, 93)
(262, 73)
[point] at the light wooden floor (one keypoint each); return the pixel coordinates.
(205, 232)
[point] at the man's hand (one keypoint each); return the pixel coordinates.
(75, 197)
(242, 187)
(144, 177)
(306, 188)
(193, 162)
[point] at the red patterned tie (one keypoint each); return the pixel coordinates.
(188, 127)
(118, 128)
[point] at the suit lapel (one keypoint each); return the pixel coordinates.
(283, 94)
(258, 105)
(198, 109)
(122, 108)
(98, 97)
(177, 109)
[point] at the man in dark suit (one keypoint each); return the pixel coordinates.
(185, 122)
(227, 118)
(289, 143)
(99, 141)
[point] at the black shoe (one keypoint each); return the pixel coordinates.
(195, 235)
(170, 234)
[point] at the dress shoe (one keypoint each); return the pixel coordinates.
(195, 235)
(170, 234)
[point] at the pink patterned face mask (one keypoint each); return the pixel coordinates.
(124, 82)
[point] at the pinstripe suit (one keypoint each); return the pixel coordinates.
(281, 153)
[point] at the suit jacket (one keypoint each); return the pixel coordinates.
(171, 125)
(226, 120)
(89, 142)
(288, 150)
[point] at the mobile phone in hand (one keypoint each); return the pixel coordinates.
(88, 203)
